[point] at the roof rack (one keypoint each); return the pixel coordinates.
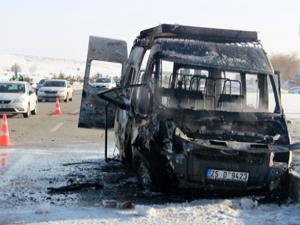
(198, 33)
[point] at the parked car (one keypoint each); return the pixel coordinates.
(106, 82)
(53, 89)
(194, 132)
(39, 85)
(294, 90)
(288, 84)
(17, 97)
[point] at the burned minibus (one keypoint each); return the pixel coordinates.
(197, 108)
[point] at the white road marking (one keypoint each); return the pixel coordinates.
(56, 127)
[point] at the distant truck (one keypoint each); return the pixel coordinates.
(205, 114)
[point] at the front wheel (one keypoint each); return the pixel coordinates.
(27, 114)
(151, 172)
(67, 98)
(144, 175)
(34, 112)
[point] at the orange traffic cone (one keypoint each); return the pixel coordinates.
(4, 133)
(57, 108)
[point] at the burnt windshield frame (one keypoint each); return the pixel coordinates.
(245, 57)
(153, 61)
(278, 106)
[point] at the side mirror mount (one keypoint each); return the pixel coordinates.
(116, 96)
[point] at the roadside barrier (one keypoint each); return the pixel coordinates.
(57, 108)
(4, 133)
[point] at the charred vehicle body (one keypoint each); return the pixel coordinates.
(204, 113)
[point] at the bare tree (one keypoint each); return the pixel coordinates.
(16, 69)
(287, 64)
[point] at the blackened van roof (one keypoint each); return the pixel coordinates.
(198, 33)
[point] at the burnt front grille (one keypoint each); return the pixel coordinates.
(231, 157)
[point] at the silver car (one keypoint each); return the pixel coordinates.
(17, 97)
(53, 89)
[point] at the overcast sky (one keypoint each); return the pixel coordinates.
(60, 28)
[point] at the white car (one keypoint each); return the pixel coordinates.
(17, 97)
(107, 82)
(53, 89)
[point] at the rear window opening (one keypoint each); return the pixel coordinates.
(104, 72)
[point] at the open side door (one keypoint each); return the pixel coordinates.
(92, 110)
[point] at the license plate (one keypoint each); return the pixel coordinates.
(213, 174)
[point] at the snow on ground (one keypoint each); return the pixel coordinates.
(33, 206)
(39, 67)
(291, 105)
(238, 211)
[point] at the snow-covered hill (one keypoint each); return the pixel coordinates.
(39, 67)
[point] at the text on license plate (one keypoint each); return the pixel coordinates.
(213, 174)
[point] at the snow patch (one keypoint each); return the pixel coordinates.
(143, 210)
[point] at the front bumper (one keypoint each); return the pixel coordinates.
(13, 108)
(42, 96)
(191, 163)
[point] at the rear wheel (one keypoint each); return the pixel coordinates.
(27, 114)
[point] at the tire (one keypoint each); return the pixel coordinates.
(151, 172)
(27, 114)
(67, 98)
(281, 191)
(39, 100)
(144, 175)
(34, 112)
